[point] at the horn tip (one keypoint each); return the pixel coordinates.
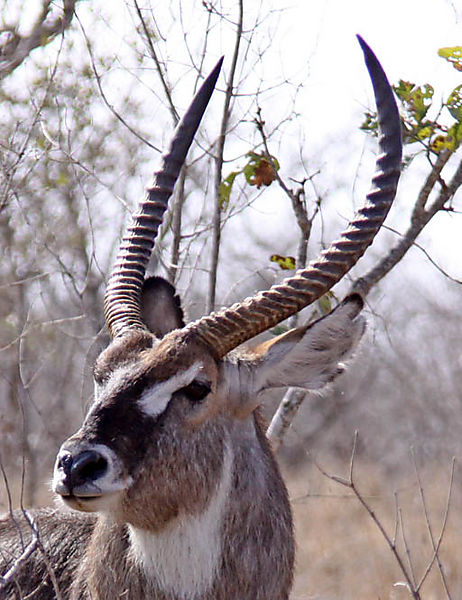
(373, 65)
(213, 76)
(364, 46)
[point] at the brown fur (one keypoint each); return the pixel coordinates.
(165, 469)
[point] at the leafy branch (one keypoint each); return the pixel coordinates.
(440, 143)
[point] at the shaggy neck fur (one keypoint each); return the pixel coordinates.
(184, 558)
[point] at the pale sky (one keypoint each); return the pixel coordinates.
(405, 35)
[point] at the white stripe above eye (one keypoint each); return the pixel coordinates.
(154, 400)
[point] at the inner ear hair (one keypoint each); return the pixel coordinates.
(355, 301)
(161, 309)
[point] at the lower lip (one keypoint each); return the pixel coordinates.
(74, 497)
(79, 501)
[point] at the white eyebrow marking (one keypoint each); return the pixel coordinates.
(110, 387)
(155, 399)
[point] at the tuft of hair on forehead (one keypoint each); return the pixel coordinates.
(122, 351)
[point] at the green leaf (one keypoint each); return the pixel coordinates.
(441, 142)
(370, 123)
(403, 89)
(457, 130)
(424, 132)
(416, 99)
(420, 101)
(279, 329)
(325, 303)
(454, 103)
(224, 191)
(249, 172)
(286, 263)
(63, 178)
(452, 54)
(454, 137)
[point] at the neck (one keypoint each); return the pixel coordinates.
(183, 559)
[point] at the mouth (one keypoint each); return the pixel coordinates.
(89, 491)
(98, 495)
(93, 503)
(73, 497)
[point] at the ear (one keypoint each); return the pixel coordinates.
(312, 356)
(160, 307)
(308, 357)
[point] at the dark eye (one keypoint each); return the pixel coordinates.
(196, 390)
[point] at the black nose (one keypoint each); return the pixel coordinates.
(87, 466)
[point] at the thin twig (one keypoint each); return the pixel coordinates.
(419, 220)
(299, 208)
(219, 159)
(46, 560)
(353, 454)
(406, 548)
(395, 532)
(103, 95)
(350, 484)
(160, 72)
(427, 255)
(31, 328)
(18, 563)
(435, 545)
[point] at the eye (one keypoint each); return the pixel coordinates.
(196, 391)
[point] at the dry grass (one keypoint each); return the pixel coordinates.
(343, 555)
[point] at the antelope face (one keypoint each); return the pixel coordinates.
(154, 434)
(165, 411)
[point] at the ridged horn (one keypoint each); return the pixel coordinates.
(226, 329)
(122, 300)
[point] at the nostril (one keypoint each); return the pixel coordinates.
(87, 466)
(65, 462)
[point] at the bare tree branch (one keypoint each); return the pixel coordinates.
(350, 483)
(51, 22)
(421, 215)
(435, 544)
(10, 575)
(407, 550)
(218, 159)
(284, 415)
(176, 223)
(294, 397)
(160, 70)
(105, 98)
(296, 197)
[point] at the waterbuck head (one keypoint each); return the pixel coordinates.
(173, 405)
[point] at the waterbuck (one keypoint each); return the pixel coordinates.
(174, 489)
